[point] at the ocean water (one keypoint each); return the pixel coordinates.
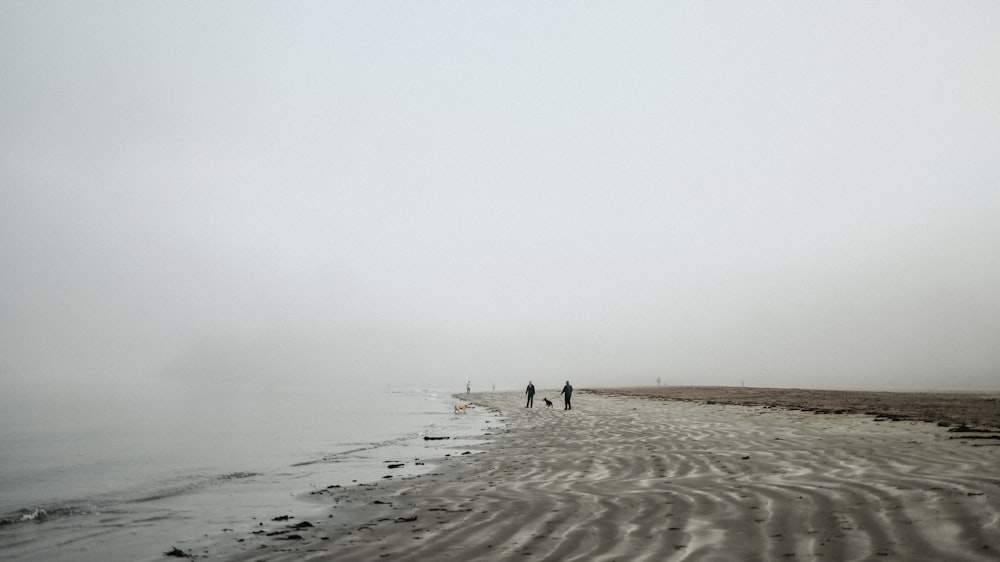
(125, 472)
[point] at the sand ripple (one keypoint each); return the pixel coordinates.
(630, 479)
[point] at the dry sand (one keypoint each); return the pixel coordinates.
(979, 409)
(627, 478)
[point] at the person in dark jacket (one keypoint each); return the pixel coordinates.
(567, 393)
(531, 395)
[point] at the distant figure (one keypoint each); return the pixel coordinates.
(567, 393)
(531, 395)
(468, 387)
(657, 381)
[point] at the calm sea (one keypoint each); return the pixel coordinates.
(119, 472)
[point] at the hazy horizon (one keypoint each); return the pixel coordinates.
(422, 193)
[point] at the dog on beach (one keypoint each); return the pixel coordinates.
(461, 408)
(548, 403)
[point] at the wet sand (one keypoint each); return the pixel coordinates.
(632, 478)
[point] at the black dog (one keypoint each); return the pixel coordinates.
(548, 403)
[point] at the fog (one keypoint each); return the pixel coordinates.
(424, 193)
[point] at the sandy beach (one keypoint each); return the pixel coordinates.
(633, 478)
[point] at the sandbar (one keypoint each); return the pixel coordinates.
(632, 474)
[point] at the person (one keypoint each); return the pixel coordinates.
(567, 393)
(531, 395)
(468, 387)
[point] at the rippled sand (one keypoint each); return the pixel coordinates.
(627, 478)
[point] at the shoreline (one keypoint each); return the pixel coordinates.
(627, 478)
(110, 513)
(426, 458)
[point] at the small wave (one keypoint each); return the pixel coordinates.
(424, 413)
(39, 515)
(239, 475)
(192, 484)
(26, 515)
(362, 448)
(185, 487)
(102, 505)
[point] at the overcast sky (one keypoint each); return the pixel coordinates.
(422, 193)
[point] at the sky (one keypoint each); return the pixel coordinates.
(411, 193)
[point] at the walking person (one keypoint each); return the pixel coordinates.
(468, 387)
(567, 393)
(531, 395)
